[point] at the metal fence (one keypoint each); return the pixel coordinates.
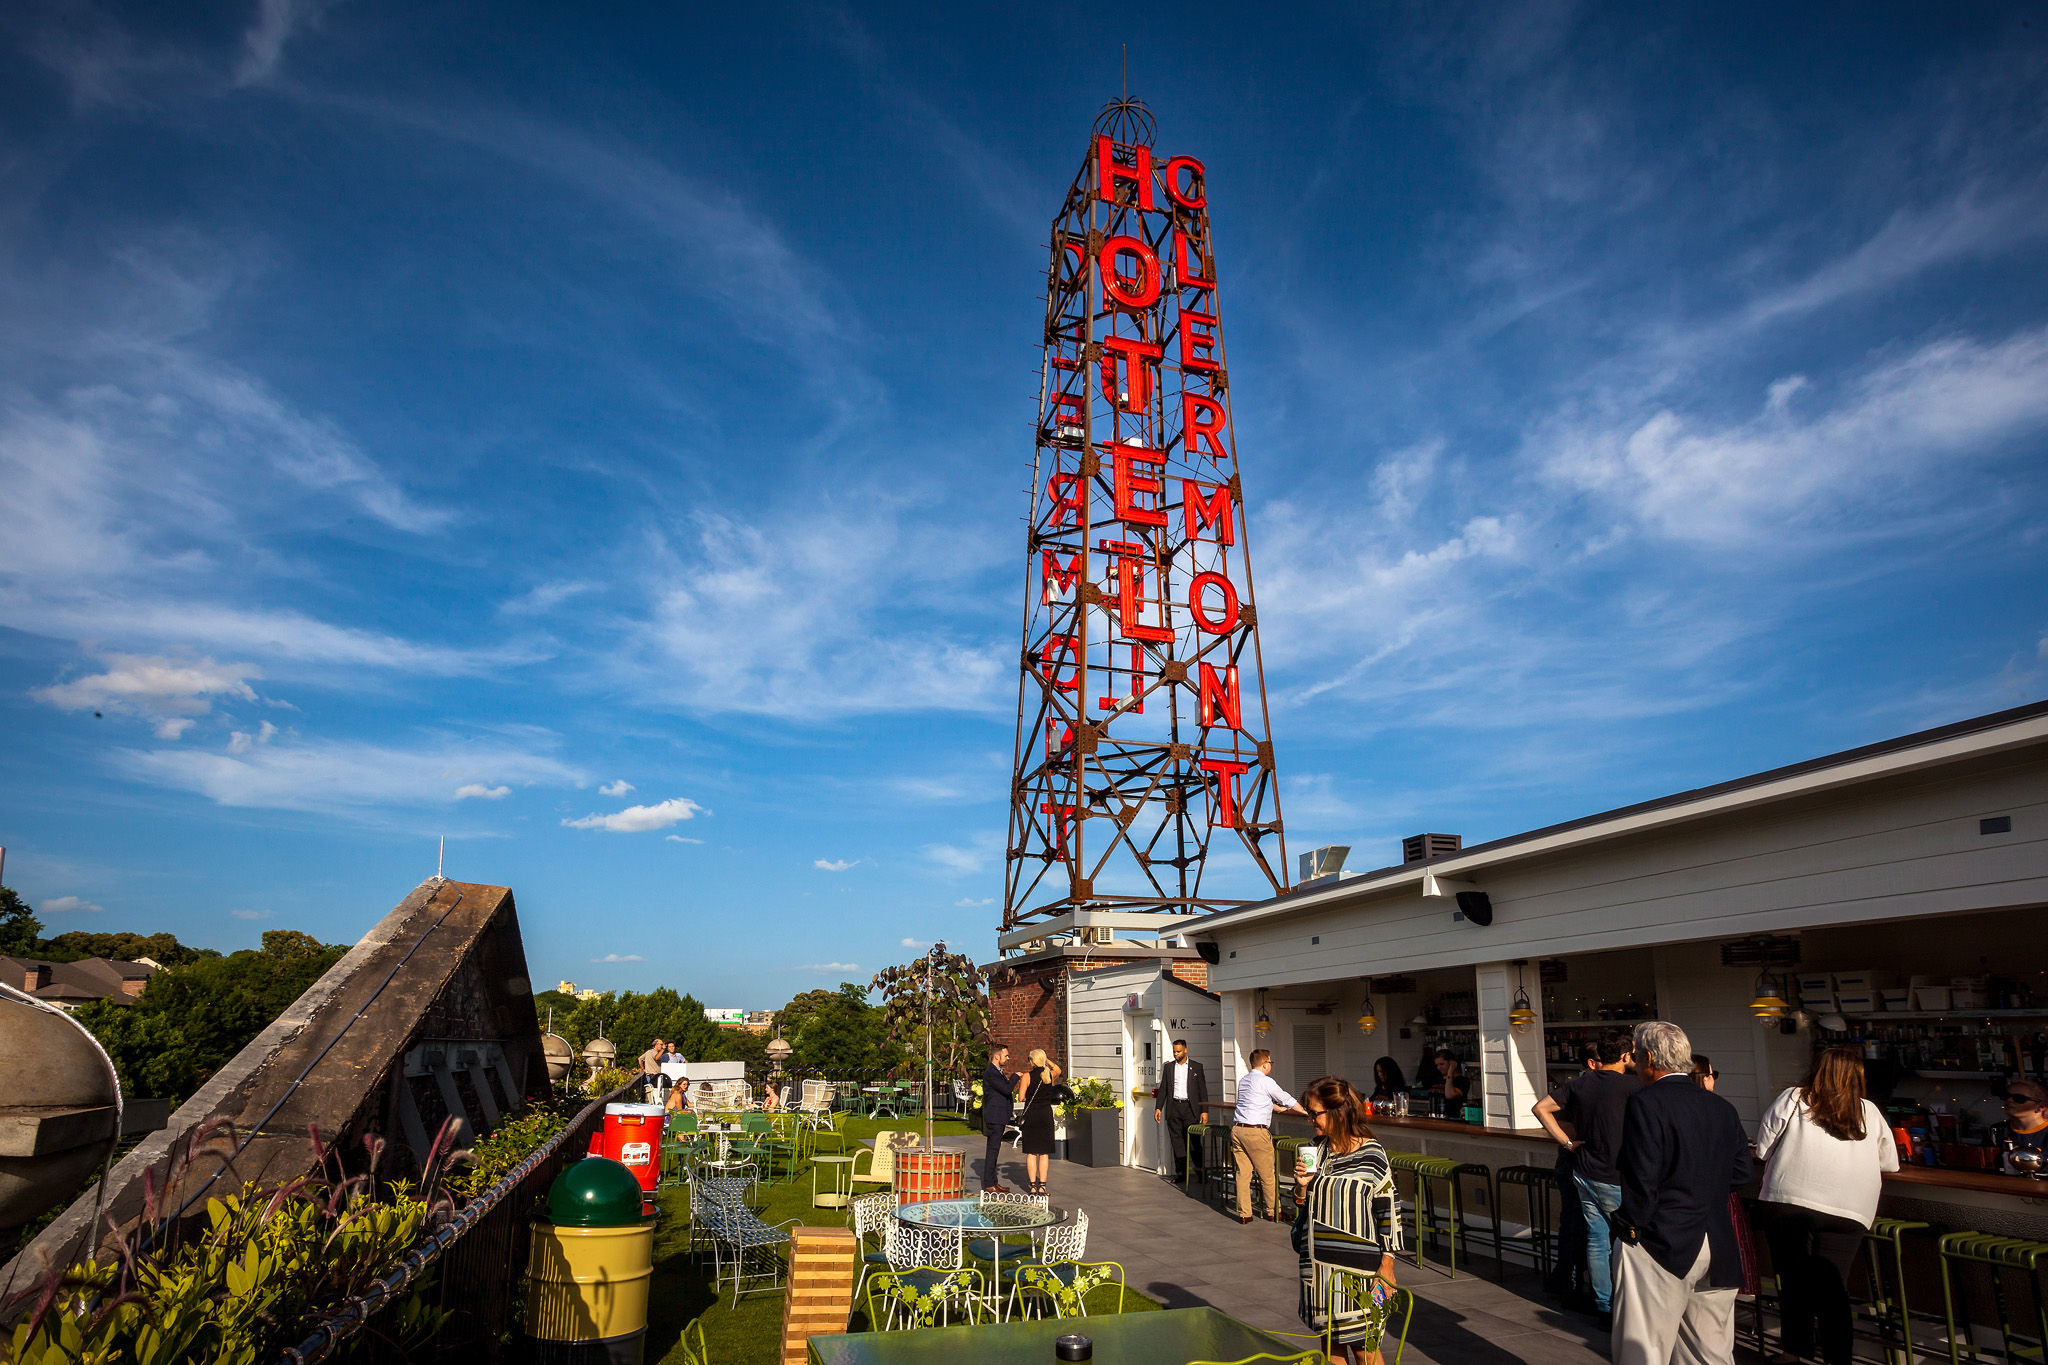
(478, 1261)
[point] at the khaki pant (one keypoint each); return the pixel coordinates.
(1251, 1149)
(1660, 1319)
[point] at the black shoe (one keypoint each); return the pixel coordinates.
(1607, 1322)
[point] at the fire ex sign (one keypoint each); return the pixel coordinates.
(1142, 730)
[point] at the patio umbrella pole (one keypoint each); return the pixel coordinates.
(928, 1048)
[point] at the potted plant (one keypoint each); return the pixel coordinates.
(974, 1109)
(1094, 1122)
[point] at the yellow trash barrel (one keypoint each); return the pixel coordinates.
(588, 1272)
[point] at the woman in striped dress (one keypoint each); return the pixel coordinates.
(1347, 1232)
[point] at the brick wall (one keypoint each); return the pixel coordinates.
(1193, 970)
(1024, 1015)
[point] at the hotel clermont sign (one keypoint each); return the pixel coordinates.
(1143, 741)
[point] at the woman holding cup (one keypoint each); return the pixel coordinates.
(1346, 1229)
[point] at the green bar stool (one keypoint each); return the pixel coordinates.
(1999, 1255)
(1219, 1163)
(1537, 1183)
(1428, 1169)
(1886, 1241)
(1195, 1165)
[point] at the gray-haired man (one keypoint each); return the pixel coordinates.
(1677, 1266)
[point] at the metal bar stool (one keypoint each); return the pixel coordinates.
(1216, 1159)
(1197, 1158)
(1427, 1169)
(1538, 1183)
(1886, 1239)
(1998, 1254)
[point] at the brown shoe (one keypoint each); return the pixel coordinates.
(1242, 1217)
(995, 1189)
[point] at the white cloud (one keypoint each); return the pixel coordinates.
(969, 902)
(70, 905)
(164, 690)
(340, 776)
(1898, 426)
(825, 967)
(804, 618)
(253, 914)
(240, 742)
(478, 789)
(963, 860)
(913, 943)
(639, 819)
(679, 839)
(619, 957)
(839, 866)
(543, 598)
(618, 788)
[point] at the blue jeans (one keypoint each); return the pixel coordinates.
(1597, 1200)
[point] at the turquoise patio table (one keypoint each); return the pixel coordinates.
(1171, 1337)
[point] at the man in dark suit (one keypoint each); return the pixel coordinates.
(1182, 1099)
(998, 1091)
(1676, 1262)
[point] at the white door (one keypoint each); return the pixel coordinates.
(1141, 1073)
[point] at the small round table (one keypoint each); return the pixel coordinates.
(838, 1176)
(997, 1217)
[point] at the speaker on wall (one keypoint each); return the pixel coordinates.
(1477, 905)
(1211, 953)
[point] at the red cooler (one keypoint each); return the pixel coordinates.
(632, 1137)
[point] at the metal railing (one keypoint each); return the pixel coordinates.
(480, 1256)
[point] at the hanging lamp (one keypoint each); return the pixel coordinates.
(1265, 1025)
(1368, 1022)
(1523, 1014)
(1769, 1004)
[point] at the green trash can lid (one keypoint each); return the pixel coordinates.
(596, 1192)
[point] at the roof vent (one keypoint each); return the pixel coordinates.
(1420, 848)
(1327, 861)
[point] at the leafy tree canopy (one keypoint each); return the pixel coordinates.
(944, 989)
(20, 930)
(190, 1022)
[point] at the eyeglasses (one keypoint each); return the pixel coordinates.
(1317, 1113)
(2021, 1100)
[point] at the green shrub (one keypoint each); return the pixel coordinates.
(510, 1143)
(1091, 1092)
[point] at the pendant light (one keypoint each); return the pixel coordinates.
(1522, 1016)
(1769, 1004)
(1368, 1022)
(1265, 1025)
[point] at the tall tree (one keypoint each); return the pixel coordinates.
(20, 930)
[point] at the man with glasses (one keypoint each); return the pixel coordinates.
(1251, 1133)
(2026, 1126)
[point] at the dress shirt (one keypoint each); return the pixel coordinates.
(1180, 1080)
(1257, 1096)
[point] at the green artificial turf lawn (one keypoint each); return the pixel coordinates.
(751, 1333)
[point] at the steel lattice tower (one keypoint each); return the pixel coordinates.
(1142, 728)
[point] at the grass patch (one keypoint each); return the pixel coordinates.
(750, 1334)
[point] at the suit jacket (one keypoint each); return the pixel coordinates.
(998, 1095)
(1682, 1151)
(1198, 1085)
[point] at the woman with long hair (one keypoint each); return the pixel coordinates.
(1038, 1090)
(1827, 1149)
(1387, 1080)
(1346, 1151)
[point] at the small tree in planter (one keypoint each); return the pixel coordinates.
(1093, 1122)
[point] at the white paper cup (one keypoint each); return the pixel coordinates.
(1310, 1158)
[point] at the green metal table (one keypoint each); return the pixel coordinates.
(1171, 1337)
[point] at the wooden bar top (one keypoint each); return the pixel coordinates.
(1985, 1182)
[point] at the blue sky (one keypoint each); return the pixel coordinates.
(600, 436)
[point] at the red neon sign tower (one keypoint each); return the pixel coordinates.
(1142, 731)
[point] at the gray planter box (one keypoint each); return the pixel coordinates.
(1095, 1137)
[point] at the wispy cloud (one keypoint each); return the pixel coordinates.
(480, 791)
(679, 839)
(825, 967)
(968, 902)
(640, 819)
(839, 866)
(70, 905)
(340, 777)
(913, 943)
(264, 43)
(618, 788)
(980, 851)
(253, 914)
(166, 691)
(620, 957)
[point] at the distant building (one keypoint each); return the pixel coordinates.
(569, 988)
(727, 1018)
(68, 985)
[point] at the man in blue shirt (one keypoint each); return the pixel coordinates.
(998, 1088)
(1251, 1133)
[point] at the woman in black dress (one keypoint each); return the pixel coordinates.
(1038, 1090)
(1387, 1080)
